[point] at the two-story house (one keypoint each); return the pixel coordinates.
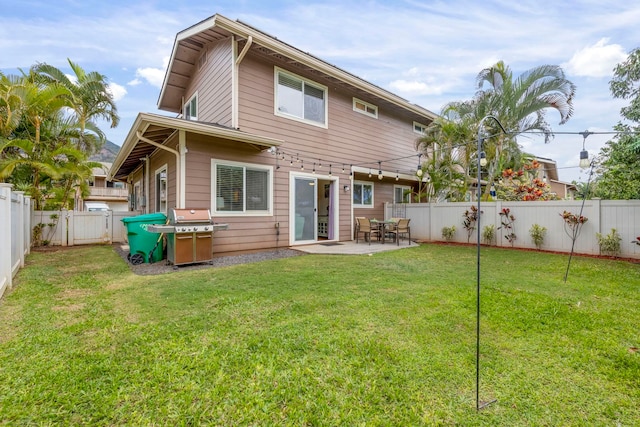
(284, 147)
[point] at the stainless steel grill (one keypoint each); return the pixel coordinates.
(189, 236)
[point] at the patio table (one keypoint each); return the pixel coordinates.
(383, 225)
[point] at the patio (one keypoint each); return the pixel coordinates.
(353, 248)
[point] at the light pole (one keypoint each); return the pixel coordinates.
(482, 161)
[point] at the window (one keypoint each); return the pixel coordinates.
(202, 60)
(300, 99)
(362, 195)
(419, 128)
(191, 108)
(401, 194)
(161, 189)
(365, 108)
(242, 188)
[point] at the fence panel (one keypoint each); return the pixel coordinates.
(428, 219)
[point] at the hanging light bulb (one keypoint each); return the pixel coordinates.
(397, 176)
(350, 170)
(379, 170)
(584, 159)
(419, 168)
(301, 165)
(329, 170)
(314, 167)
(483, 159)
(584, 154)
(291, 163)
(319, 164)
(369, 172)
(343, 168)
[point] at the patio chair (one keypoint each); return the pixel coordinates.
(401, 228)
(356, 227)
(365, 227)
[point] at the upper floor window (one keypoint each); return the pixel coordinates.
(362, 195)
(241, 188)
(202, 60)
(300, 99)
(191, 108)
(419, 128)
(365, 108)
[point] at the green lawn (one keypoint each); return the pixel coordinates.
(382, 340)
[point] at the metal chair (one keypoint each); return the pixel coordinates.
(365, 227)
(401, 228)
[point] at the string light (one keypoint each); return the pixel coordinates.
(369, 172)
(379, 170)
(301, 165)
(329, 169)
(419, 168)
(397, 175)
(314, 167)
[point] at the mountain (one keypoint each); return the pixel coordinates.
(107, 153)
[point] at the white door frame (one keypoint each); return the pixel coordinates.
(292, 208)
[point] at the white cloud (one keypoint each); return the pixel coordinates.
(117, 91)
(415, 88)
(134, 82)
(597, 60)
(153, 76)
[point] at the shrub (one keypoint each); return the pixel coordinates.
(537, 233)
(507, 219)
(470, 220)
(609, 244)
(488, 234)
(448, 233)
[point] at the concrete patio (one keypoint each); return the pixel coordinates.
(353, 248)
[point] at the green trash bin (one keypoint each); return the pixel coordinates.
(141, 241)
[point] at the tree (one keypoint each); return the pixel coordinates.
(519, 105)
(619, 164)
(88, 98)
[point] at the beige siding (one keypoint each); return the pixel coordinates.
(214, 85)
(351, 137)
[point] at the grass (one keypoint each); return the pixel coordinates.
(380, 340)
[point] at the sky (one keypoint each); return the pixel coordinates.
(428, 52)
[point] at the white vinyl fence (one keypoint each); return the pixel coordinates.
(428, 219)
(70, 228)
(15, 236)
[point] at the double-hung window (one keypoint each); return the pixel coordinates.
(191, 108)
(362, 195)
(401, 194)
(241, 188)
(300, 99)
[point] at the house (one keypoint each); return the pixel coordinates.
(103, 194)
(548, 171)
(284, 147)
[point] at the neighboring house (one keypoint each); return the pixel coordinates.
(282, 146)
(104, 194)
(548, 171)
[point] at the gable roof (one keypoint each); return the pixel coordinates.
(190, 42)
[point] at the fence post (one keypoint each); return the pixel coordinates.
(19, 227)
(5, 237)
(28, 217)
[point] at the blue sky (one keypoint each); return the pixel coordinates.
(428, 52)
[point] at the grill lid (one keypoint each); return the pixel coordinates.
(190, 216)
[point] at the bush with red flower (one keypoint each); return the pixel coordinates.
(524, 184)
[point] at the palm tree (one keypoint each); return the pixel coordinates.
(519, 105)
(89, 99)
(444, 167)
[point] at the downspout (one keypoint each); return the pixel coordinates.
(179, 177)
(234, 78)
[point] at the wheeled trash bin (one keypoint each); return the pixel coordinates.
(141, 241)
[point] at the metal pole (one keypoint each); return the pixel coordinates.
(479, 196)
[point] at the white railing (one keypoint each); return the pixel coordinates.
(15, 236)
(428, 219)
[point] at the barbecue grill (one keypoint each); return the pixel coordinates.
(189, 236)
